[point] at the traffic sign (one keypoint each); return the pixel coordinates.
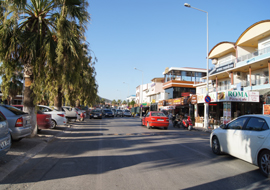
(207, 99)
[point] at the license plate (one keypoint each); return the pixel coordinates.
(160, 120)
(95, 116)
(4, 144)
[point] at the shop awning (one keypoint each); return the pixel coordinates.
(263, 91)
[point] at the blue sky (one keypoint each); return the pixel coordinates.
(154, 34)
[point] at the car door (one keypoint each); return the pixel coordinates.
(231, 139)
(252, 138)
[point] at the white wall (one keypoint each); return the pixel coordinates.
(245, 50)
(263, 43)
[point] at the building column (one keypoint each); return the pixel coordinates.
(268, 71)
(216, 85)
(250, 84)
(231, 78)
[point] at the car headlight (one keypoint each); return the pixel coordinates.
(100, 114)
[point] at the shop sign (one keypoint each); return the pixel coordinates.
(154, 101)
(266, 109)
(177, 101)
(185, 94)
(166, 70)
(226, 112)
(194, 99)
(169, 102)
(168, 107)
(231, 96)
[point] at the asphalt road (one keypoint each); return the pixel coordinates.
(118, 153)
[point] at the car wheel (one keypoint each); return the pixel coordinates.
(53, 124)
(148, 126)
(264, 163)
(165, 128)
(215, 145)
(142, 122)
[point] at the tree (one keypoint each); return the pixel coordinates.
(45, 38)
(119, 102)
(124, 102)
(132, 103)
(113, 102)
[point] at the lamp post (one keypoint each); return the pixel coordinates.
(142, 87)
(206, 105)
(128, 87)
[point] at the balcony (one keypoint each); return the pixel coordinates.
(258, 82)
(254, 54)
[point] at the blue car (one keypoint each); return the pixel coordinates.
(5, 138)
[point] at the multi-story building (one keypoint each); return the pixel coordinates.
(178, 86)
(239, 80)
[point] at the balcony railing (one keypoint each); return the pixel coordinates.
(257, 82)
(254, 54)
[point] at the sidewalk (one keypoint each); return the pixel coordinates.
(25, 149)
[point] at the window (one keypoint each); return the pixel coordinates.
(158, 114)
(14, 110)
(238, 123)
(256, 124)
(148, 114)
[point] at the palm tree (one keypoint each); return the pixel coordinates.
(119, 102)
(31, 35)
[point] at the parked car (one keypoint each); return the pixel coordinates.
(58, 117)
(5, 138)
(246, 137)
(113, 112)
(71, 113)
(107, 113)
(44, 121)
(119, 113)
(126, 113)
(155, 119)
(96, 113)
(19, 122)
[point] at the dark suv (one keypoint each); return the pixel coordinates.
(95, 114)
(119, 113)
(107, 113)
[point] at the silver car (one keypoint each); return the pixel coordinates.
(5, 139)
(71, 113)
(19, 122)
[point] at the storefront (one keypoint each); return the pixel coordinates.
(227, 105)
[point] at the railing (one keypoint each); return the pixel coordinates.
(257, 82)
(254, 54)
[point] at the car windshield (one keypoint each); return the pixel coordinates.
(107, 111)
(119, 111)
(95, 111)
(127, 111)
(158, 114)
(14, 110)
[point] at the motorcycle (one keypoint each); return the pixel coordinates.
(187, 123)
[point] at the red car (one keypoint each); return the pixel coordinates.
(155, 119)
(44, 121)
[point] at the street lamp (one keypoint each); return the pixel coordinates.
(142, 87)
(206, 105)
(128, 87)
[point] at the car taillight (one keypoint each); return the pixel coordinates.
(61, 115)
(47, 118)
(19, 122)
(153, 119)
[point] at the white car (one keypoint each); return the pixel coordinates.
(58, 117)
(246, 137)
(126, 113)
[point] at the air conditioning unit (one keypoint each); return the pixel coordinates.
(240, 75)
